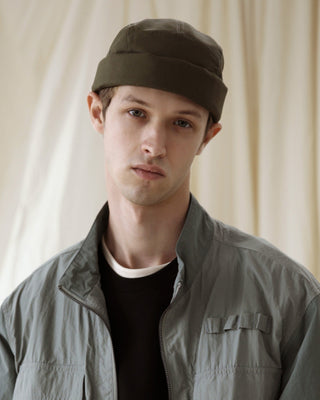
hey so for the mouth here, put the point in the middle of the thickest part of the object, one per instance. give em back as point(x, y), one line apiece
point(148, 172)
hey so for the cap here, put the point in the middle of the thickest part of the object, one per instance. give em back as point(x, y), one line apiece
point(169, 55)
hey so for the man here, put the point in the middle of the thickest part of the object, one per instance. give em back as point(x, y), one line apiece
point(160, 301)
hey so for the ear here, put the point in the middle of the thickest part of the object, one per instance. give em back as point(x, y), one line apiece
point(212, 132)
point(95, 111)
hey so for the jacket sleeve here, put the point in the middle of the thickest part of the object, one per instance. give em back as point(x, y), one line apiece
point(301, 358)
point(7, 363)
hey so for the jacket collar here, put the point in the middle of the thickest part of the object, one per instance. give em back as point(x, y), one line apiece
point(194, 242)
point(81, 279)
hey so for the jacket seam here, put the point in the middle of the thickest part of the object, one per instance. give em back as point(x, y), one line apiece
point(312, 285)
point(237, 369)
point(6, 303)
point(296, 326)
point(231, 244)
point(53, 365)
point(8, 327)
point(75, 249)
point(277, 260)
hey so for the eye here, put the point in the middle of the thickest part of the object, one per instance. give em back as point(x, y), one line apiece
point(181, 123)
point(137, 113)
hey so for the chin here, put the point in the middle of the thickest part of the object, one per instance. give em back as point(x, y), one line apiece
point(146, 199)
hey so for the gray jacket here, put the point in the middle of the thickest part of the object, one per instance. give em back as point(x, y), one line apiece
point(243, 323)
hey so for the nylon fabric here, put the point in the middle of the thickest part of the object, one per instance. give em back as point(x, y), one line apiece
point(270, 335)
point(261, 173)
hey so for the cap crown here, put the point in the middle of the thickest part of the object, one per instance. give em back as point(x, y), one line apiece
point(166, 54)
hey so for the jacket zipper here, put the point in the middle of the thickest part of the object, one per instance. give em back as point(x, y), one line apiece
point(115, 397)
point(179, 285)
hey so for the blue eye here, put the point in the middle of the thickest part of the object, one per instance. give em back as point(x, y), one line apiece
point(137, 113)
point(182, 123)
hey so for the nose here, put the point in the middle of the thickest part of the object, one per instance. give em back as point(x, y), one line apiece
point(154, 142)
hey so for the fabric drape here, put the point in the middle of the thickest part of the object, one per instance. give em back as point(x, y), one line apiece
point(261, 173)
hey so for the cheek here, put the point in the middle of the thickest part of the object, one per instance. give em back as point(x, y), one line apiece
point(111, 152)
point(185, 153)
point(112, 143)
point(118, 153)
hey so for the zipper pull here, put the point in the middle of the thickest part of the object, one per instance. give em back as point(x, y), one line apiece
point(178, 287)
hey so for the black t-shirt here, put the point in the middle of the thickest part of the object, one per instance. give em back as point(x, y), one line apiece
point(135, 306)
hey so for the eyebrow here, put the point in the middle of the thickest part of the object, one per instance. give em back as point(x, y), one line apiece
point(132, 99)
point(190, 112)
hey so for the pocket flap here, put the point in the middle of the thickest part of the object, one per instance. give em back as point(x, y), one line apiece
point(242, 321)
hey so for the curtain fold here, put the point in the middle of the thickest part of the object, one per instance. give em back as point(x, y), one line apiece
point(261, 173)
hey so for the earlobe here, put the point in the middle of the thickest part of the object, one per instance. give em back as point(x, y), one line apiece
point(212, 132)
point(95, 111)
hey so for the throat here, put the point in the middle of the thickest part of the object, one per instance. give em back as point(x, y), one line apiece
point(143, 240)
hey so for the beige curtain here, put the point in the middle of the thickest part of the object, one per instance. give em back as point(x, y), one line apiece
point(261, 173)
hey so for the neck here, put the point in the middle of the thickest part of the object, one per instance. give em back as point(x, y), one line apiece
point(143, 236)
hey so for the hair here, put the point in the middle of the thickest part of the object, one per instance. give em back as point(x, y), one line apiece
point(106, 95)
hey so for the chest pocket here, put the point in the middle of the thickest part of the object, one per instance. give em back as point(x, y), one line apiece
point(39, 381)
point(237, 359)
point(237, 340)
point(243, 321)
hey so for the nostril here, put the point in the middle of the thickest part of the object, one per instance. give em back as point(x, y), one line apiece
point(153, 149)
point(146, 148)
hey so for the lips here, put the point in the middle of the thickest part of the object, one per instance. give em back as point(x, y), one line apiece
point(150, 168)
point(148, 171)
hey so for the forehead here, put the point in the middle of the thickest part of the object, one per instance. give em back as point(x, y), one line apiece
point(154, 98)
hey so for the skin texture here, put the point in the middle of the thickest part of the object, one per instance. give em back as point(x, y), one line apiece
point(150, 140)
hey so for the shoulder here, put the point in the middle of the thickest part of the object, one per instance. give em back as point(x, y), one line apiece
point(259, 256)
point(233, 254)
point(264, 274)
point(42, 283)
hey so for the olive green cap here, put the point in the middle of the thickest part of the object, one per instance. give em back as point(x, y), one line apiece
point(169, 55)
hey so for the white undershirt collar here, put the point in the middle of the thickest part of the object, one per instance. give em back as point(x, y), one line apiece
point(128, 272)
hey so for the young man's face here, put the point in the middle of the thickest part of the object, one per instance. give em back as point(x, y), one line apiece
point(150, 140)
